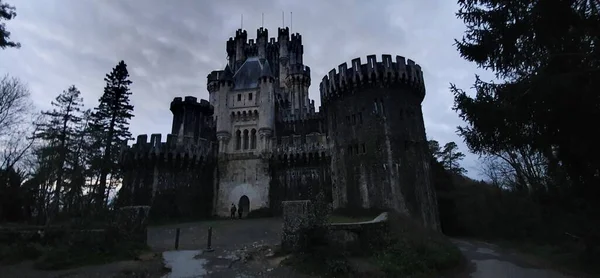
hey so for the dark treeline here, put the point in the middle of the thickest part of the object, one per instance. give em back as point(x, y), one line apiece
point(534, 129)
point(61, 163)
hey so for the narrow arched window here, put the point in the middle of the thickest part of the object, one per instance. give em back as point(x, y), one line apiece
point(245, 139)
point(238, 140)
point(253, 139)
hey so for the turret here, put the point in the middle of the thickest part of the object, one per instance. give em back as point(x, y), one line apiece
point(296, 49)
point(262, 36)
point(231, 52)
point(283, 39)
point(298, 82)
point(241, 36)
point(190, 116)
point(266, 118)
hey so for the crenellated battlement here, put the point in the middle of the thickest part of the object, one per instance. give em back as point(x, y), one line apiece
point(262, 33)
point(299, 69)
point(191, 101)
point(373, 73)
point(218, 79)
point(174, 146)
point(283, 33)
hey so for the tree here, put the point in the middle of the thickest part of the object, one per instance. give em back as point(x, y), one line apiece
point(60, 132)
point(15, 104)
point(448, 156)
point(7, 12)
point(110, 125)
point(550, 72)
point(545, 55)
point(451, 157)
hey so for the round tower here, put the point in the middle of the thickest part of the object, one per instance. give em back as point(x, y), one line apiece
point(266, 111)
point(262, 36)
point(219, 83)
point(379, 149)
point(297, 83)
point(283, 38)
point(241, 37)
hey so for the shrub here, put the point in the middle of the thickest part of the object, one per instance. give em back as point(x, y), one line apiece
point(416, 251)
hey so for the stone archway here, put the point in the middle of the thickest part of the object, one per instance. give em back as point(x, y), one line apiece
point(244, 204)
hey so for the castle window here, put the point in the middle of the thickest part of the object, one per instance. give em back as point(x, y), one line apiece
point(245, 139)
point(239, 97)
point(375, 110)
point(253, 139)
point(381, 106)
point(353, 119)
point(249, 96)
point(238, 140)
point(364, 149)
point(356, 149)
point(349, 150)
point(360, 117)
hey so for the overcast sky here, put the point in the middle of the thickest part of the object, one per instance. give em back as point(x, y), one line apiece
point(171, 46)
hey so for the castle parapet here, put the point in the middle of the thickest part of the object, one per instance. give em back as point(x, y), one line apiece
point(299, 69)
point(373, 73)
point(174, 146)
point(303, 144)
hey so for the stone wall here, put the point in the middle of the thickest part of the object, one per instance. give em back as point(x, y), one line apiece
point(359, 238)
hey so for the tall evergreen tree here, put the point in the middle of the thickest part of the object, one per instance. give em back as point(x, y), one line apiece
point(7, 12)
point(546, 55)
point(60, 132)
point(110, 125)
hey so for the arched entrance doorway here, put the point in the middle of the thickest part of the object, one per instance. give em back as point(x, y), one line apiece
point(244, 204)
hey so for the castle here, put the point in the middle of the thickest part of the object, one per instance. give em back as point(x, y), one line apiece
point(259, 141)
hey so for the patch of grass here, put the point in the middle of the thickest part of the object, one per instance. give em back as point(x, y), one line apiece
point(414, 251)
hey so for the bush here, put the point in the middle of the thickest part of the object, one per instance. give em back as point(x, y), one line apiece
point(416, 251)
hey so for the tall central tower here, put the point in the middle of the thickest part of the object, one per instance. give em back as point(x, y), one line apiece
point(264, 79)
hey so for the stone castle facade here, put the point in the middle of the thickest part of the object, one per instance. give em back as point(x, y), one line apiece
point(258, 140)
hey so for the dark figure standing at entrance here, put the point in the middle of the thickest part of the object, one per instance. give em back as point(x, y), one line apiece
point(240, 212)
point(233, 209)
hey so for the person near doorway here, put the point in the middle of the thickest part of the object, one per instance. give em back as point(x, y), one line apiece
point(233, 209)
point(240, 210)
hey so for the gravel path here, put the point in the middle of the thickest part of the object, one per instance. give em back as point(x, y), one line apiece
point(489, 261)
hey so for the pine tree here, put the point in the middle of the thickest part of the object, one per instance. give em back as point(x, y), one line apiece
point(7, 12)
point(110, 125)
point(59, 131)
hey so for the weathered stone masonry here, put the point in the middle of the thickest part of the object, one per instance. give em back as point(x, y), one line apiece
point(259, 141)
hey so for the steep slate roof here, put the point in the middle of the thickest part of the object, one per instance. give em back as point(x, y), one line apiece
point(246, 77)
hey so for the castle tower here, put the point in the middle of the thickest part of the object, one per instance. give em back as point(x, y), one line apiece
point(283, 38)
point(378, 143)
point(244, 100)
point(190, 117)
point(266, 95)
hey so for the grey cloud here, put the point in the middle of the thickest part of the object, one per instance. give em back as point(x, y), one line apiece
point(170, 47)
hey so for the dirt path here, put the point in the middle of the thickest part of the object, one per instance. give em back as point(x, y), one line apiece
point(489, 261)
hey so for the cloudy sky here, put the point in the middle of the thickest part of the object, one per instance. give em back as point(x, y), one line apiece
point(171, 46)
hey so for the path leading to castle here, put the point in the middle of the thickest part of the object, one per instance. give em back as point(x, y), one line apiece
point(490, 261)
point(242, 248)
